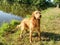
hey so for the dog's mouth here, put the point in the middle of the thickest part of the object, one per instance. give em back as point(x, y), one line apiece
point(38, 17)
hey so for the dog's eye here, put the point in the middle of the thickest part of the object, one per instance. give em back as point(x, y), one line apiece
point(37, 13)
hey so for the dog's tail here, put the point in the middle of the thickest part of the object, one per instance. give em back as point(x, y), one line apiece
point(17, 27)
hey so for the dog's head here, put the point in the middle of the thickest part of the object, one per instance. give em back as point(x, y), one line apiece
point(36, 14)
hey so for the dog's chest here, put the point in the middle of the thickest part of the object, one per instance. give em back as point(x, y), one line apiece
point(35, 23)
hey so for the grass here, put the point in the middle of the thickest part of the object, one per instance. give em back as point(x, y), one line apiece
point(50, 31)
point(50, 19)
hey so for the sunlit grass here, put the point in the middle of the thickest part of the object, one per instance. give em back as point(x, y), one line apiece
point(50, 30)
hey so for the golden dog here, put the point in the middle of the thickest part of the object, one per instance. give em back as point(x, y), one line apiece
point(31, 24)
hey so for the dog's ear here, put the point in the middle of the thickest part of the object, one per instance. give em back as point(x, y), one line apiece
point(32, 13)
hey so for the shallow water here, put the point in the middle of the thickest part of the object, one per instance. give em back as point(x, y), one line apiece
point(7, 17)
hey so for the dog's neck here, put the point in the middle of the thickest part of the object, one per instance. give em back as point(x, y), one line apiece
point(34, 17)
point(37, 20)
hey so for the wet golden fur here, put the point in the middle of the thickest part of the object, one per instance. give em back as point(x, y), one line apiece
point(31, 24)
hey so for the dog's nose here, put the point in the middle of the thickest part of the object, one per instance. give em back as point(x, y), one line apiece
point(40, 16)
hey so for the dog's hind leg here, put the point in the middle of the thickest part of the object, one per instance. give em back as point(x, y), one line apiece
point(21, 33)
point(22, 30)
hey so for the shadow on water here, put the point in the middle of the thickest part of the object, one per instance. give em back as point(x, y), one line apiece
point(50, 36)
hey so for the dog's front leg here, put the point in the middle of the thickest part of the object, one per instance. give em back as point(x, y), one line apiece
point(38, 31)
point(30, 35)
